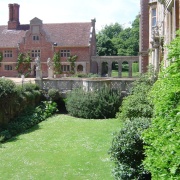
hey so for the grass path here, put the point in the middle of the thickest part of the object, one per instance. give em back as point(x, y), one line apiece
point(62, 148)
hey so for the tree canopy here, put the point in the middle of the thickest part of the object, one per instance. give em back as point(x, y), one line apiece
point(115, 40)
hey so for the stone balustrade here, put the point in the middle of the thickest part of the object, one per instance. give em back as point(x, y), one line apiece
point(88, 84)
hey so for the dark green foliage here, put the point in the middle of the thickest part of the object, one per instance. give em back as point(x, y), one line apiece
point(30, 87)
point(137, 104)
point(53, 94)
point(127, 151)
point(163, 137)
point(57, 63)
point(101, 103)
point(7, 89)
point(1, 57)
point(15, 98)
point(7, 98)
point(114, 40)
point(30, 117)
point(24, 64)
point(72, 60)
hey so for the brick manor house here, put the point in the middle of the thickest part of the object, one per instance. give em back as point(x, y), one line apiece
point(43, 40)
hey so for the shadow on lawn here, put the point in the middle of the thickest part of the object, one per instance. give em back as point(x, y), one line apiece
point(32, 129)
point(16, 137)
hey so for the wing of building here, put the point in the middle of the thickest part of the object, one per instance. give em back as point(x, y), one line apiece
point(160, 19)
point(43, 40)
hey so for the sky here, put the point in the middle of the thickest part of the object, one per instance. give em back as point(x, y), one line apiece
point(105, 12)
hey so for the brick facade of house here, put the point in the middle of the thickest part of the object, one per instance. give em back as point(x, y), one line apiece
point(44, 40)
point(144, 35)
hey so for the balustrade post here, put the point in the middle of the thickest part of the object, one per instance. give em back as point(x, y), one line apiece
point(119, 69)
point(109, 69)
point(99, 68)
point(130, 69)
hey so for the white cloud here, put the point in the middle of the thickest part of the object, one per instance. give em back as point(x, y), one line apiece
point(57, 11)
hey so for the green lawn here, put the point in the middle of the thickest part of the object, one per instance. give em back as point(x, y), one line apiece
point(124, 74)
point(62, 148)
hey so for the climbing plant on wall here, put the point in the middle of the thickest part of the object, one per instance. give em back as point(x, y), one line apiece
point(72, 60)
point(1, 57)
point(57, 63)
point(24, 64)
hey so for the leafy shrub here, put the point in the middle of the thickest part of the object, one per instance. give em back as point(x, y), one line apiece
point(102, 103)
point(163, 137)
point(15, 98)
point(29, 96)
point(127, 150)
point(30, 87)
point(53, 94)
point(30, 117)
point(7, 98)
point(7, 89)
point(137, 104)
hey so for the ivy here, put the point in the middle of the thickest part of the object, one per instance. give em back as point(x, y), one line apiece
point(57, 63)
point(72, 60)
point(24, 64)
point(163, 137)
point(1, 56)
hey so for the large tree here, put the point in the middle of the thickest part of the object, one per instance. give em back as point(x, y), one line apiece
point(115, 40)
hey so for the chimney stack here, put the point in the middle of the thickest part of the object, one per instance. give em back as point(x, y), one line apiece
point(13, 22)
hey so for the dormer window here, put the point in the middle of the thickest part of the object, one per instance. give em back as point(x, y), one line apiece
point(35, 38)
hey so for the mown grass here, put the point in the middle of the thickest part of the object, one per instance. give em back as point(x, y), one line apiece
point(124, 74)
point(62, 148)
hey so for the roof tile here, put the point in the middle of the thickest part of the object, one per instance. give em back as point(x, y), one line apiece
point(64, 34)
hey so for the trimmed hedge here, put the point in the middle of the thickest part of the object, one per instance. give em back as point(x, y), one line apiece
point(97, 104)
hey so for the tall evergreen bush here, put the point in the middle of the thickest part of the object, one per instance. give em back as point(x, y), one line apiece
point(127, 151)
point(101, 103)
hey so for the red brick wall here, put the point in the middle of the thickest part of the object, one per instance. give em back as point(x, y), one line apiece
point(177, 14)
point(144, 33)
point(9, 61)
point(81, 52)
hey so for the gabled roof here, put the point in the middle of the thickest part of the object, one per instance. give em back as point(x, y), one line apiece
point(68, 34)
point(64, 34)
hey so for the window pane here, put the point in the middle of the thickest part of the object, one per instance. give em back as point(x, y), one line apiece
point(153, 22)
point(153, 12)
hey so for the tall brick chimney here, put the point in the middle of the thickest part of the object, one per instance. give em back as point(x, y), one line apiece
point(13, 22)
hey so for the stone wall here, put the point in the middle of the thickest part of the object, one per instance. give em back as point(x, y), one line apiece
point(88, 84)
